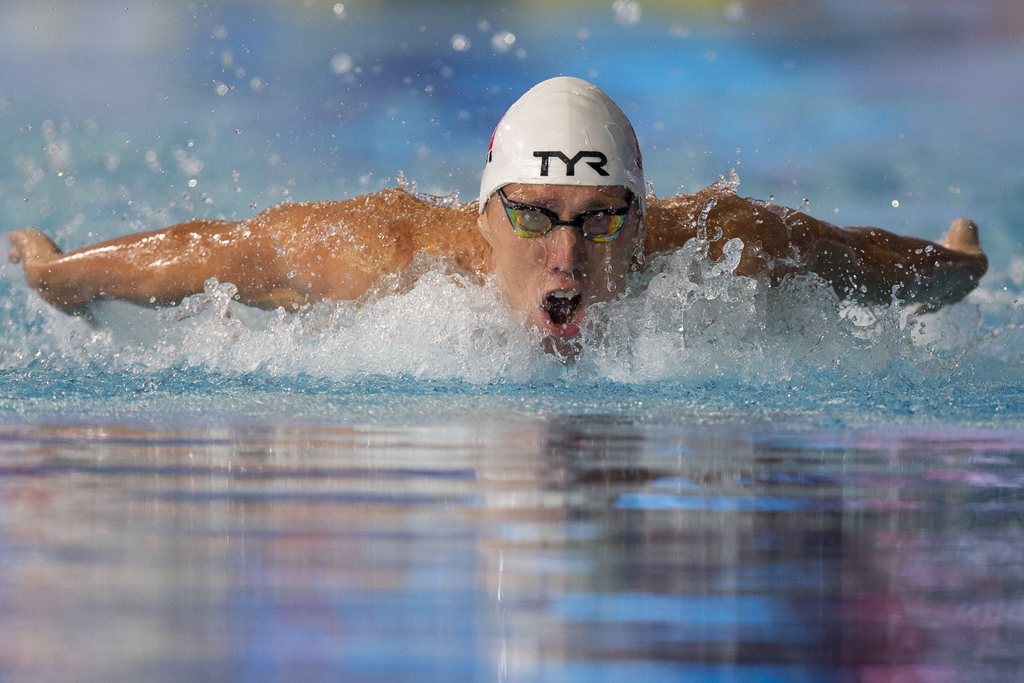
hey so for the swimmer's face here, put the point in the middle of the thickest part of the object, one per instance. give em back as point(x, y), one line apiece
point(555, 278)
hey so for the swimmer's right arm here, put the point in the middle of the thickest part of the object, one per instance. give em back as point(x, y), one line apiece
point(287, 256)
point(154, 268)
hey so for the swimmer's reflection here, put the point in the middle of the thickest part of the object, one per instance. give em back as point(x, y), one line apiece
point(522, 546)
point(696, 576)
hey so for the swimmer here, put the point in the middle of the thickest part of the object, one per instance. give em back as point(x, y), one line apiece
point(563, 217)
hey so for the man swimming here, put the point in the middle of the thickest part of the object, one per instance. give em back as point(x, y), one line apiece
point(563, 217)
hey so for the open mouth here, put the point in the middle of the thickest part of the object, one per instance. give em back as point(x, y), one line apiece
point(562, 305)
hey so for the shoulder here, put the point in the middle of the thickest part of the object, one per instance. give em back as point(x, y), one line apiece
point(387, 226)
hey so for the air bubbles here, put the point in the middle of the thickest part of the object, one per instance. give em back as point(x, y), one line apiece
point(627, 12)
point(221, 88)
point(339, 10)
point(461, 43)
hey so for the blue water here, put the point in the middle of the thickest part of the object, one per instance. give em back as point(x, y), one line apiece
point(731, 483)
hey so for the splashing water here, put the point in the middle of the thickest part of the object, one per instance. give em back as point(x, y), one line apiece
point(687, 329)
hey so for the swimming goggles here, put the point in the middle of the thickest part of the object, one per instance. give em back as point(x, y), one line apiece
point(536, 221)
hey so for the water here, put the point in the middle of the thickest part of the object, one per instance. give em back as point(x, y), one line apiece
point(731, 483)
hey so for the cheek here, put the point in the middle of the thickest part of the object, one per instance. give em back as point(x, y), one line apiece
point(607, 268)
point(518, 261)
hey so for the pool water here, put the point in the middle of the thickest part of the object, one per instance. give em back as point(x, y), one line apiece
point(730, 483)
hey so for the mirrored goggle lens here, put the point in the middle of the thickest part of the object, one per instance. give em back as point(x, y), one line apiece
point(600, 227)
point(529, 223)
point(603, 227)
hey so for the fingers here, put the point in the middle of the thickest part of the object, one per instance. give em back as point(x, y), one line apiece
point(30, 244)
point(962, 237)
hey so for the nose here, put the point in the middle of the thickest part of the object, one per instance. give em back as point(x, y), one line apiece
point(563, 248)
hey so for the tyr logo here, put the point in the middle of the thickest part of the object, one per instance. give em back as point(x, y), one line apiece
point(570, 164)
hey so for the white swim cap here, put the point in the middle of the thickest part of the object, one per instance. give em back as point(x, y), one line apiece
point(564, 131)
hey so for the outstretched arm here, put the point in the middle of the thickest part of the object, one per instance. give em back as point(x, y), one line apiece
point(874, 266)
point(152, 268)
point(867, 265)
point(289, 255)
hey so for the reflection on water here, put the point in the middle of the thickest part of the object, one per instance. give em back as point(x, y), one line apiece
point(560, 549)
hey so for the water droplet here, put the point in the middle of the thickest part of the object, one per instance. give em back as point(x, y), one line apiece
point(734, 11)
point(341, 63)
point(627, 12)
point(503, 41)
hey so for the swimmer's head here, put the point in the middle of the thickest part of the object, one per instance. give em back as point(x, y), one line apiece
point(564, 131)
point(561, 204)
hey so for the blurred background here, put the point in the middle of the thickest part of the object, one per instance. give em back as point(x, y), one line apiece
point(117, 116)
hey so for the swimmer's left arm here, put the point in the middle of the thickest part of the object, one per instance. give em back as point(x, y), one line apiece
point(874, 266)
point(722, 215)
point(866, 265)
